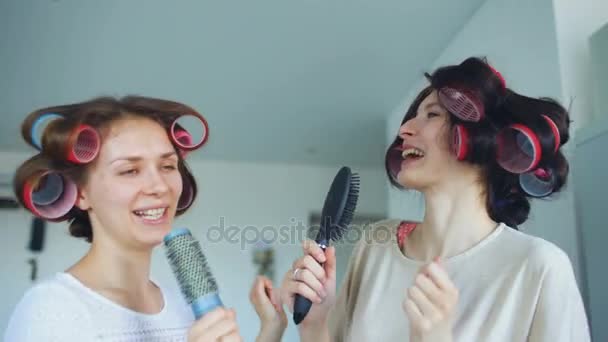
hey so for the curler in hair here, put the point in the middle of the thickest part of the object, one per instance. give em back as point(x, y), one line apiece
point(460, 142)
point(83, 145)
point(49, 195)
point(538, 183)
point(462, 103)
point(39, 126)
point(555, 131)
point(189, 131)
point(519, 149)
point(499, 75)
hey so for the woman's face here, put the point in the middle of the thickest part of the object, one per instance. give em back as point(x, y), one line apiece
point(427, 157)
point(133, 186)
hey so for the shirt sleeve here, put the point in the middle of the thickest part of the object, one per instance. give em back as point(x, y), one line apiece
point(560, 314)
point(48, 313)
point(340, 315)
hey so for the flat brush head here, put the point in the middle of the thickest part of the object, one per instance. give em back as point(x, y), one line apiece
point(189, 265)
point(339, 207)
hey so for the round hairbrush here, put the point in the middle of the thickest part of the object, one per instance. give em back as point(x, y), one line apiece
point(519, 149)
point(462, 103)
point(193, 274)
point(49, 195)
point(189, 131)
point(538, 183)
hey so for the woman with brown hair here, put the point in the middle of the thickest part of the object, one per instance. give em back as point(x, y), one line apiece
point(478, 152)
point(115, 170)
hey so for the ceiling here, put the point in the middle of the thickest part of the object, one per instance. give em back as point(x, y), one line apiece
point(309, 81)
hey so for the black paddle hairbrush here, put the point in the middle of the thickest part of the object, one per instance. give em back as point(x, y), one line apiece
point(336, 216)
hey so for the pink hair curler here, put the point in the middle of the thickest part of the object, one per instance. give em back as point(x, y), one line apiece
point(538, 183)
point(49, 195)
point(184, 138)
point(462, 103)
point(189, 131)
point(519, 149)
point(83, 145)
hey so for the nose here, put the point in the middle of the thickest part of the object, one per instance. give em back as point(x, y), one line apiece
point(407, 129)
point(155, 183)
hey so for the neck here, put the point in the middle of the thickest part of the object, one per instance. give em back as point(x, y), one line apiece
point(455, 220)
point(110, 266)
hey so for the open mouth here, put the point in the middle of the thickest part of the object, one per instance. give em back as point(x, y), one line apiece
point(154, 214)
point(412, 153)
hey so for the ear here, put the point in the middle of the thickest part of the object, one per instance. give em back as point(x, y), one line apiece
point(82, 201)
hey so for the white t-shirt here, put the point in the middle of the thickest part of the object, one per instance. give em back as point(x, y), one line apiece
point(63, 309)
point(513, 287)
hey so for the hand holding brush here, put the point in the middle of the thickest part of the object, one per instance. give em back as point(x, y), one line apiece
point(313, 277)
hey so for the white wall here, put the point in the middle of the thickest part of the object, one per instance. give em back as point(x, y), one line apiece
point(575, 22)
point(599, 69)
point(519, 39)
point(245, 194)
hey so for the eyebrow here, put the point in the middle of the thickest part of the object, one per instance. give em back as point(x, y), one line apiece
point(137, 158)
point(432, 104)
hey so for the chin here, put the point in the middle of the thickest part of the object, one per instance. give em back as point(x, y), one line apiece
point(152, 236)
point(151, 240)
point(413, 179)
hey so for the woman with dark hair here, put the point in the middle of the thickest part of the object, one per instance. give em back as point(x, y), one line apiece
point(115, 169)
point(478, 152)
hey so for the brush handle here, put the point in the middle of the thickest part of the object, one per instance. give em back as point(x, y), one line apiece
point(301, 304)
point(203, 305)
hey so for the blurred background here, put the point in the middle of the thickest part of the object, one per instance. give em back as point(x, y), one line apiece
point(293, 90)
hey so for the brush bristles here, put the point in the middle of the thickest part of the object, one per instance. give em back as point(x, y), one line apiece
point(349, 209)
point(190, 267)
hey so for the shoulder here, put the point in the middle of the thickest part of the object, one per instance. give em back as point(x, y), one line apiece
point(540, 255)
point(48, 308)
point(50, 294)
point(178, 310)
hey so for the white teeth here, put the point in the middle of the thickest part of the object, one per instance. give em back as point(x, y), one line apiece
point(412, 152)
point(151, 214)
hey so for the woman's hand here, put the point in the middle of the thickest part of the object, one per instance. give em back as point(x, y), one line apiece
point(313, 281)
point(218, 325)
point(430, 304)
point(268, 306)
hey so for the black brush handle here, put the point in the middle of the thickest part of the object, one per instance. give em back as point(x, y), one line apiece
point(301, 304)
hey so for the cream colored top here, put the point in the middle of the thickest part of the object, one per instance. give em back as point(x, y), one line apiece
point(512, 286)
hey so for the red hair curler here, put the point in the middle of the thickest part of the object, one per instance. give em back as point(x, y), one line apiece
point(49, 195)
point(460, 142)
point(83, 145)
point(519, 149)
